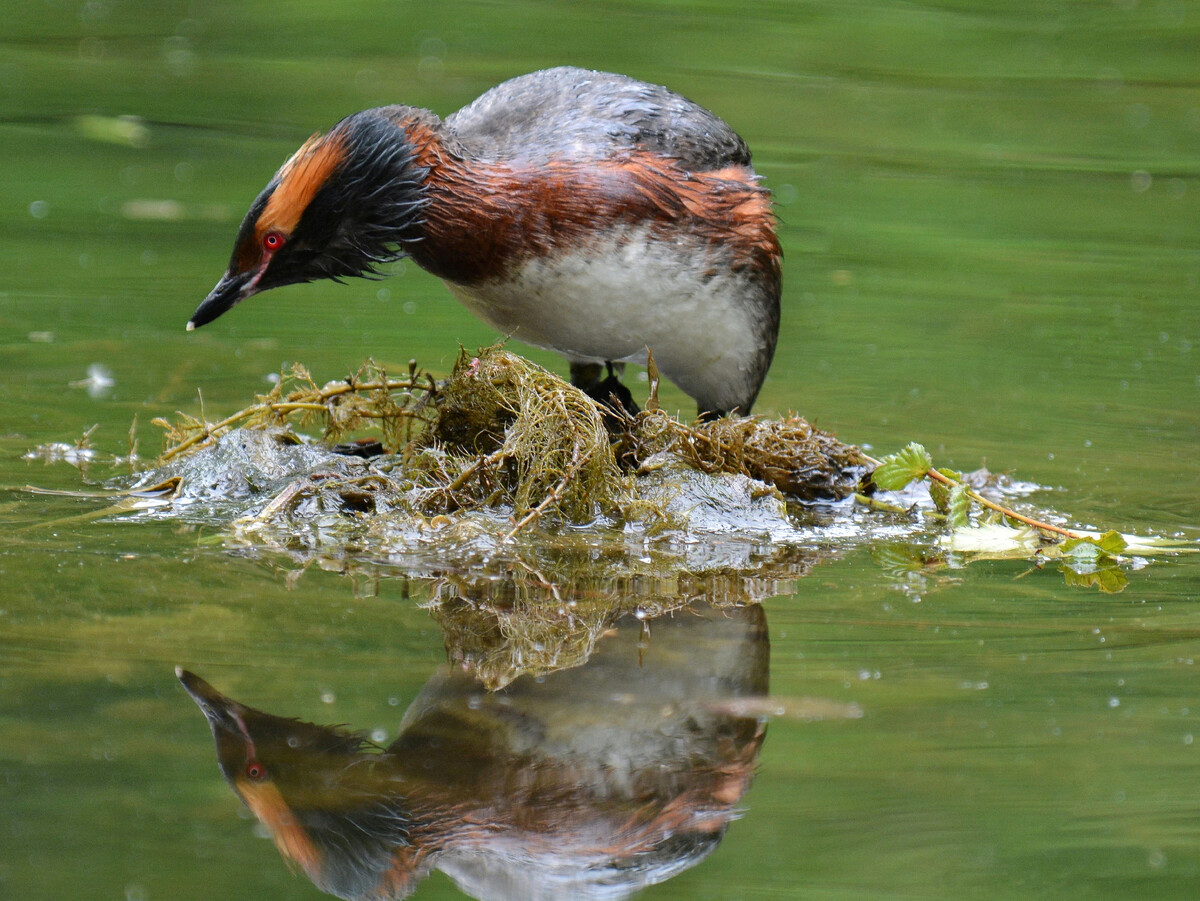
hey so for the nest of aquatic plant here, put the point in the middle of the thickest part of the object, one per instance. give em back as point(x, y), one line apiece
point(536, 623)
point(799, 459)
point(398, 408)
point(508, 430)
point(502, 432)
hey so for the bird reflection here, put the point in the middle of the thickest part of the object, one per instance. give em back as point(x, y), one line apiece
point(585, 783)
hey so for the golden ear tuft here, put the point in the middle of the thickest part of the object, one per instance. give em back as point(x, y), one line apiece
point(299, 180)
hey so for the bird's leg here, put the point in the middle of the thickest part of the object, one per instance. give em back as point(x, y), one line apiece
point(607, 391)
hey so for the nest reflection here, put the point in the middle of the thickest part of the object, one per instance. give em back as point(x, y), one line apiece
point(588, 782)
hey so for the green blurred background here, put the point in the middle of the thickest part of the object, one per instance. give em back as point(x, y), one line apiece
point(991, 221)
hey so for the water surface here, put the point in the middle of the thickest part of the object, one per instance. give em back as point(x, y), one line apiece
point(989, 218)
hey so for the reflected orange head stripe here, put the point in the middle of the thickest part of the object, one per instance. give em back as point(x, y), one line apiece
point(267, 804)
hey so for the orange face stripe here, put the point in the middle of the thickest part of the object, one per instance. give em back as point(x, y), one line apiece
point(299, 180)
point(268, 806)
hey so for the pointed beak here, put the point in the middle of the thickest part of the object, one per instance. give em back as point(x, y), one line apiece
point(232, 289)
point(219, 710)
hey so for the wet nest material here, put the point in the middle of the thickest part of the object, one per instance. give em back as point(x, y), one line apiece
point(501, 437)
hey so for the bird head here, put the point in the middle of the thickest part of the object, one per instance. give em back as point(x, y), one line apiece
point(326, 796)
point(344, 203)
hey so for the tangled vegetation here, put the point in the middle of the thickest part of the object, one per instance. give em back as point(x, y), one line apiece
point(502, 431)
point(457, 471)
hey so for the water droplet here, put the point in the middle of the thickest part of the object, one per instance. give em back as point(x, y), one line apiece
point(177, 53)
point(431, 68)
point(39, 209)
point(1114, 702)
point(328, 697)
point(1140, 181)
point(431, 46)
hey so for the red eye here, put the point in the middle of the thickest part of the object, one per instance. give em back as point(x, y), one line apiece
point(256, 771)
point(272, 240)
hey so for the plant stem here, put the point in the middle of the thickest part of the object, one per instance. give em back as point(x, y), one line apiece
point(991, 505)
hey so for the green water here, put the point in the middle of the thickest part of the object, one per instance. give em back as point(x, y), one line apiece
point(991, 222)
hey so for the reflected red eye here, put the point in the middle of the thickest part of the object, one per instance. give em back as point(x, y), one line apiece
point(273, 240)
point(256, 771)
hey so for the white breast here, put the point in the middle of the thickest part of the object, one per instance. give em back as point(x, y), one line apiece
point(615, 298)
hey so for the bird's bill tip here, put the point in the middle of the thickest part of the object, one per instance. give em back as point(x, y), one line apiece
point(202, 693)
point(224, 714)
point(232, 289)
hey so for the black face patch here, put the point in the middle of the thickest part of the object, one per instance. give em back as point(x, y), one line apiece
point(246, 250)
point(364, 214)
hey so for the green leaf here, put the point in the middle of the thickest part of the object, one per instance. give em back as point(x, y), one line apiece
point(1080, 549)
point(897, 470)
point(1109, 579)
point(960, 507)
point(1147, 544)
point(939, 492)
point(1110, 544)
point(901, 560)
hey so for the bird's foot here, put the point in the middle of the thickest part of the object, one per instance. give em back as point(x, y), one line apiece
point(603, 385)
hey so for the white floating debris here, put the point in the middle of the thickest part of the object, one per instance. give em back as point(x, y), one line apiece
point(99, 380)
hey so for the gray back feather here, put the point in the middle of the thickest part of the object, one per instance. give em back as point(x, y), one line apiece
point(578, 114)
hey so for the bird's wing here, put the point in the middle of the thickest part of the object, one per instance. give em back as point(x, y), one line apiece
point(580, 114)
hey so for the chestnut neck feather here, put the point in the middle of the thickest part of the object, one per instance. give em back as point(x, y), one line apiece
point(484, 218)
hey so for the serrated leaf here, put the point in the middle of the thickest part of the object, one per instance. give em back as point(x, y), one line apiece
point(1089, 547)
point(897, 470)
point(1109, 579)
point(1112, 543)
point(898, 559)
point(959, 507)
point(1148, 544)
point(1081, 549)
point(939, 493)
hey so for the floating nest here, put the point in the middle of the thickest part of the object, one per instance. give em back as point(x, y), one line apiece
point(505, 434)
point(501, 629)
point(504, 473)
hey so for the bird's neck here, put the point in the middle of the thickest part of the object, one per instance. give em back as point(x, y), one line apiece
point(473, 208)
